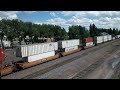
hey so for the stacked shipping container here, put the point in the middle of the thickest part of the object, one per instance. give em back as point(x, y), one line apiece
point(101, 39)
point(98, 39)
point(109, 37)
point(43, 50)
point(40, 56)
point(105, 38)
point(71, 48)
point(88, 41)
point(36, 51)
point(69, 45)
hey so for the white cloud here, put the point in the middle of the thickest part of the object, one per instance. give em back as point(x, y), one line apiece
point(79, 13)
point(76, 21)
point(8, 14)
point(102, 19)
point(53, 14)
point(12, 14)
point(91, 13)
point(56, 21)
point(107, 22)
point(69, 13)
point(38, 23)
point(29, 12)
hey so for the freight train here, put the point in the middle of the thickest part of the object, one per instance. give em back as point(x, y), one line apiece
point(34, 54)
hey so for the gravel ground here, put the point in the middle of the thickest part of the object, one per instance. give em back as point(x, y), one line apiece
point(105, 70)
point(116, 74)
point(67, 70)
point(73, 68)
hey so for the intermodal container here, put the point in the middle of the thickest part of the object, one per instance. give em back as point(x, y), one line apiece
point(109, 37)
point(89, 39)
point(105, 38)
point(68, 43)
point(71, 48)
point(34, 49)
point(98, 39)
point(89, 44)
point(40, 56)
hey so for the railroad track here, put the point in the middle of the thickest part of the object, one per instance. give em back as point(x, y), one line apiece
point(92, 67)
point(99, 62)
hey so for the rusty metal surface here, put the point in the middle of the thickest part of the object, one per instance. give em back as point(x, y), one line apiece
point(30, 64)
point(70, 52)
point(7, 70)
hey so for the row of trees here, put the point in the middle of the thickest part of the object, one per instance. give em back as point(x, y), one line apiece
point(81, 32)
point(94, 31)
point(78, 32)
point(16, 28)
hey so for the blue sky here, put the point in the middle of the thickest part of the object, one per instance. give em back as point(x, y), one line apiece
point(102, 19)
point(40, 16)
point(34, 17)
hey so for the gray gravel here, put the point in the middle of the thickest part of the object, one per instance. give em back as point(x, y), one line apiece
point(68, 70)
point(71, 69)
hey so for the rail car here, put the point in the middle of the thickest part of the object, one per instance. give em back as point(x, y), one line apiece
point(4, 70)
point(34, 54)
